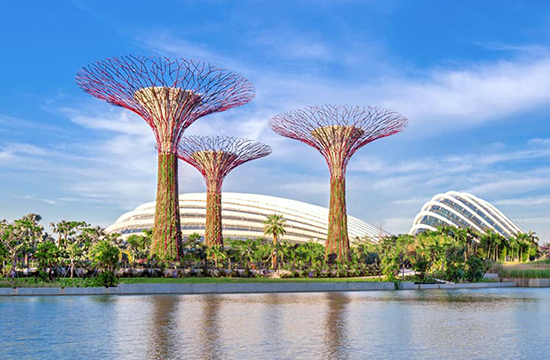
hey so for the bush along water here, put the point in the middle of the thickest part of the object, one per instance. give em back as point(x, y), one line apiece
point(79, 254)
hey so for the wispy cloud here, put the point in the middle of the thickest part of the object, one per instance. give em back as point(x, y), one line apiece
point(535, 149)
point(535, 49)
point(289, 45)
point(526, 201)
point(438, 101)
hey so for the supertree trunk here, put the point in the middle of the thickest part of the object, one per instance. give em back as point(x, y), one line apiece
point(215, 157)
point(166, 232)
point(213, 229)
point(337, 238)
point(274, 259)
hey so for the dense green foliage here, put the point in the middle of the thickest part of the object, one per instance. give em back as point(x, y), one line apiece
point(73, 244)
point(450, 253)
point(78, 250)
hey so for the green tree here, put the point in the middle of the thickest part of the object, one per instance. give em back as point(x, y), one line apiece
point(29, 233)
point(10, 245)
point(105, 254)
point(194, 250)
point(64, 229)
point(274, 225)
point(48, 254)
point(77, 238)
point(475, 269)
point(139, 245)
point(13, 241)
point(390, 257)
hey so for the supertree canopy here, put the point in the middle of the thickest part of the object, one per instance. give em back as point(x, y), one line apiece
point(169, 94)
point(337, 132)
point(215, 157)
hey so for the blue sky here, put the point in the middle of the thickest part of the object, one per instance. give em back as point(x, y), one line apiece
point(472, 77)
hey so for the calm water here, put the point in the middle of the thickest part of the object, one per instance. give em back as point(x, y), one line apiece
point(483, 324)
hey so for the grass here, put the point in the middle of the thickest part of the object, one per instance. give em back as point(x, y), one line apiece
point(231, 280)
point(539, 269)
point(525, 273)
point(36, 282)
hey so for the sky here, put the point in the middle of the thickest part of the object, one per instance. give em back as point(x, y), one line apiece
point(472, 77)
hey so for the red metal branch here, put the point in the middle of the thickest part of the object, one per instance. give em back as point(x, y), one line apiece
point(216, 156)
point(338, 131)
point(169, 94)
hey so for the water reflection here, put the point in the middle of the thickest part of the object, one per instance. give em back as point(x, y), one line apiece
point(275, 327)
point(210, 328)
point(162, 335)
point(485, 324)
point(336, 342)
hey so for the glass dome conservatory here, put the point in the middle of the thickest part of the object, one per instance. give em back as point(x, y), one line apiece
point(462, 210)
point(243, 216)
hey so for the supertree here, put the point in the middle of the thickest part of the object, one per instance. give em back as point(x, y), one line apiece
point(337, 132)
point(215, 157)
point(169, 94)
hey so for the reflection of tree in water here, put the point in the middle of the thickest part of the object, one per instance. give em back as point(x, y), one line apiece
point(105, 299)
point(210, 329)
point(336, 346)
point(162, 339)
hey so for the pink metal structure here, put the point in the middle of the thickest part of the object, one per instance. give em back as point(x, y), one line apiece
point(169, 94)
point(215, 157)
point(337, 132)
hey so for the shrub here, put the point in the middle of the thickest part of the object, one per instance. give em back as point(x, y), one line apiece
point(454, 264)
point(106, 278)
point(421, 266)
point(475, 269)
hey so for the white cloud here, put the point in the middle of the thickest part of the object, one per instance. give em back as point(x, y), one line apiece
point(5, 155)
point(120, 121)
point(461, 98)
point(535, 220)
point(509, 186)
point(436, 102)
point(415, 201)
point(288, 45)
point(397, 225)
point(525, 201)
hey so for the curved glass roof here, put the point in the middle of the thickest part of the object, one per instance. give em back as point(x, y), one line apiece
point(462, 210)
point(243, 216)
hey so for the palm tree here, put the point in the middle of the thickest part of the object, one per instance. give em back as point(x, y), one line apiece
point(275, 226)
point(533, 240)
point(513, 244)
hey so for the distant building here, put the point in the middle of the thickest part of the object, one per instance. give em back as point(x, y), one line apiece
point(243, 216)
point(462, 210)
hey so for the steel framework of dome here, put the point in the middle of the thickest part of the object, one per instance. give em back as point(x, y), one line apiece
point(462, 210)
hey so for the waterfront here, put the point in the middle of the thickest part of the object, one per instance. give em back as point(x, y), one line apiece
point(495, 323)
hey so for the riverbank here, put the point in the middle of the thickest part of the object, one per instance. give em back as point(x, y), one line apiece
point(242, 288)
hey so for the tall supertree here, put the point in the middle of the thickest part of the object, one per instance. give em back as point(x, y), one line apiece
point(215, 157)
point(337, 132)
point(169, 94)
